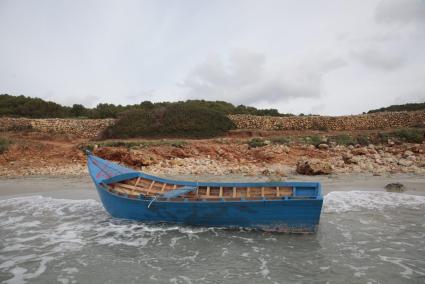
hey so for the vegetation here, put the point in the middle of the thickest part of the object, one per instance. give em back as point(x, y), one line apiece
point(4, 145)
point(404, 107)
point(21, 106)
point(409, 135)
point(134, 144)
point(280, 140)
point(256, 142)
point(30, 107)
point(363, 140)
point(312, 140)
point(343, 139)
point(174, 120)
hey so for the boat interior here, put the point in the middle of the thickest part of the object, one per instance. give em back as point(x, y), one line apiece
point(146, 188)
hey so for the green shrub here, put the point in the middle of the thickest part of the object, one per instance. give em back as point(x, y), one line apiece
point(343, 139)
point(4, 145)
point(256, 142)
point(409, 135)
point(312, 140)
point(174, 120)
point(383, 137)
point(363, 140)
point(280, 140)
point(134, 144)
point(404, 107)
point(21, 106)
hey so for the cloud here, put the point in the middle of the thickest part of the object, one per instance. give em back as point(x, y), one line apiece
point(400, 12)
point(247, 78)
point(416, 94)
point(379, 59)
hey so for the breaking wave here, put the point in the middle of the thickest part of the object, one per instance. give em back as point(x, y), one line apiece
point(346, 201)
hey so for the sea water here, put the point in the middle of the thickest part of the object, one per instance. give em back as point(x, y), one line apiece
point(363, 237)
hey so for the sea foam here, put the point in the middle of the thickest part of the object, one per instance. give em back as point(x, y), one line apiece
point(346, 201)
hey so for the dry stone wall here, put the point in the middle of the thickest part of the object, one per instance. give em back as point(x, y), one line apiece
point(84, 128)
point(382, 120)
point(91, 128)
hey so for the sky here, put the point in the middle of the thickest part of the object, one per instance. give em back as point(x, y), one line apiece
point(326, 57)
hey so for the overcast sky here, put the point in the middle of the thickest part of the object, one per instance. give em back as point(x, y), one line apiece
point(324, 57)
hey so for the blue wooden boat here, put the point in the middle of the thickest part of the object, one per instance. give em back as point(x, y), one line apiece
point(273, 206)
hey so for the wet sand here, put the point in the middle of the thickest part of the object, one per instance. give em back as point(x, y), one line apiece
point(83, 188)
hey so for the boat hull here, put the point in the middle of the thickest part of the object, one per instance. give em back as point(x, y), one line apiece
point(283, 215)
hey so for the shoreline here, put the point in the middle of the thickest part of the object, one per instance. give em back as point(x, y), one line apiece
point(73, 186)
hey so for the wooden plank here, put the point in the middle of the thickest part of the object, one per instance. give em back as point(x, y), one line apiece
point(277, 191)
point(163, 187)
point(248, 193)
point(127, 192)
point(208, 191)
point(129, 186)
point(137, 181)
point(262, 191)
point(153, 182)
point(234, 192)
point(221, 192)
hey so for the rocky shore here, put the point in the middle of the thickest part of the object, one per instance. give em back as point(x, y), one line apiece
point(37, 155)
point(280, 161)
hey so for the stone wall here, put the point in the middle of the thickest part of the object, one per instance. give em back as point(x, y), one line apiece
point(382, 120)
point(91, 128)
point(84, 128)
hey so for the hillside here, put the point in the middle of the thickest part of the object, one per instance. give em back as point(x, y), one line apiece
point(403, 107)
point(22, 106)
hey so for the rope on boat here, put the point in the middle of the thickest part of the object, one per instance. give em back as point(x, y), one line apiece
point(153, 199)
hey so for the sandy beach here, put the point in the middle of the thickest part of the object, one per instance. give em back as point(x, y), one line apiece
point(81, 187)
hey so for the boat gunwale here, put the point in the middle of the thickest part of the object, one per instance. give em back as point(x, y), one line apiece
point(213, 184)
point(207, 200)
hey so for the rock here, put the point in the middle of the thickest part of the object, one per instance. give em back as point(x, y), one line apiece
point(417, 148)
point(280, 172)
point(323, 146)
point(404, 162)
point(347, 158)
point(357, 159)
point(112, 153)
point(179, 153)
point(359, 151)
point(141, 158)
point(407, 154)
point(411, 158)
point(313, 167)
point(263, 154)
point(395, 187)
